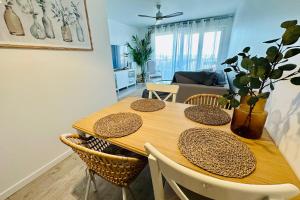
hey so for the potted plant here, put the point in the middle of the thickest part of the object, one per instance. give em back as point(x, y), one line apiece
point(141, 52)
point(256, 77)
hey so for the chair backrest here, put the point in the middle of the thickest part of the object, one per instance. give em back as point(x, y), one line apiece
point(171, 89)
point(208, 186)
point(206, 99)
point(116, 169)
point(151, 67)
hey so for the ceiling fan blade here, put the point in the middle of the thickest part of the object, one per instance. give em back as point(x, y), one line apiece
point(173, 15)
point(147, 16)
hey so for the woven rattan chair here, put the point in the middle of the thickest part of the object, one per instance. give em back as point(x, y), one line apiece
point(120, 169)
point(206, 99)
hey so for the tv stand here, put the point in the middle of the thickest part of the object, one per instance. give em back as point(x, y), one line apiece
point(125, 78)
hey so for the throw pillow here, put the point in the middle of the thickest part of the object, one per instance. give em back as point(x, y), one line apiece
point(208, 78)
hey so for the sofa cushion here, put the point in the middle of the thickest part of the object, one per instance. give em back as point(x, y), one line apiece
point(202, 77)
point(208, 78)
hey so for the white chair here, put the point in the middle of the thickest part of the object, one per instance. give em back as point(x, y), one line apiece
point(152, 72)
point(208, 186)
point(171, 89)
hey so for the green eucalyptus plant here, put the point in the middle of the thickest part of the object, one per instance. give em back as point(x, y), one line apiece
point(141, 51)
point(256, 76)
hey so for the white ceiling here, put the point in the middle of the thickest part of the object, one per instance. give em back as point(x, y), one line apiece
point(126, 11)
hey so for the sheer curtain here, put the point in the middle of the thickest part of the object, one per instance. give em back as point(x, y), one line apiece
point(191, 46)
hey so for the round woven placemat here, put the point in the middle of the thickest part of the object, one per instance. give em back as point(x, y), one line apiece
point(208, 115)
point(118, 125)
point(147, 105)
point(217, 152)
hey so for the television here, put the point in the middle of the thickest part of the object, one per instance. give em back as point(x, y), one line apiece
point(119, 56)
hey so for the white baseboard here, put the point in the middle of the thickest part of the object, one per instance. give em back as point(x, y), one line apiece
point(12, 189)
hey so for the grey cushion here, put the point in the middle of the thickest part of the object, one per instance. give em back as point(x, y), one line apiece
point(202, 77)
point(208, 78)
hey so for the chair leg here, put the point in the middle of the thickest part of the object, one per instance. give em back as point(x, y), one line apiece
point(124, 193)
point(156, 177)
point(93, 180)
point(88, 187)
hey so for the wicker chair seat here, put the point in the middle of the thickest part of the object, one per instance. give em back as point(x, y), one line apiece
point(114, 164)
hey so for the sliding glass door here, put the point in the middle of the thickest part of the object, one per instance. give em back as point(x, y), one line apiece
point(191, 46)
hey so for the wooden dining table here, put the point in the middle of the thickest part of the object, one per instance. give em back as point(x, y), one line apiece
point(162, 129)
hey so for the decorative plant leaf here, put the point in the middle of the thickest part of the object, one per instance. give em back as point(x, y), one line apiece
point(252, 100)
point(222, 101)
point(242, 54)
point(284, 61)
point(288, 24)
point(263, 62)
point(272, 86)
point(291, 35)
point(253, 71)
point(228, 96)
point(230, 60)
point(272, 52)
point(236, 83)
point(244, 80)
point(255, 83)
point(279, 57)
point(261, 71)
point(246, 50)
point(295, 80)
point(292, 52)
point(264, 95)
point(276, 74)
point(243, 91)
point(271, 41)
point(234, 103)
point(246, 63)
point(287, 67)
point(227, 70)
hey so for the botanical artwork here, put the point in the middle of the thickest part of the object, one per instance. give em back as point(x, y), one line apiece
point(57, 24)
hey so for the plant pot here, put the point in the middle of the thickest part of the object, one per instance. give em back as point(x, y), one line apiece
point(246, 124)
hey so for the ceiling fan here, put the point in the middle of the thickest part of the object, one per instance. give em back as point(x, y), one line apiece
point(159, 16)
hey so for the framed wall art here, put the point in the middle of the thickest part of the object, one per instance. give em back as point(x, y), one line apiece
point(45, 24)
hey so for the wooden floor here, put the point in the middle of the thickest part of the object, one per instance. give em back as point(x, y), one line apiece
point(67, 181)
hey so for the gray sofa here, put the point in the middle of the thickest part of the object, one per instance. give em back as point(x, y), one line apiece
point(192, 83)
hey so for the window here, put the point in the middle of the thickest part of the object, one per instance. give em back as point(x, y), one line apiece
point(164, 54)
point(192, 46)
point(210, 50)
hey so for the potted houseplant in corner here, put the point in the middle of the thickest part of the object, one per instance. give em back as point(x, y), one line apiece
point(141, 52)
point(256, 77)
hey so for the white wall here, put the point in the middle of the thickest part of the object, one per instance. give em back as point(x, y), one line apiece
point(121, 33)
point(42, 93)
point(257, 21)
